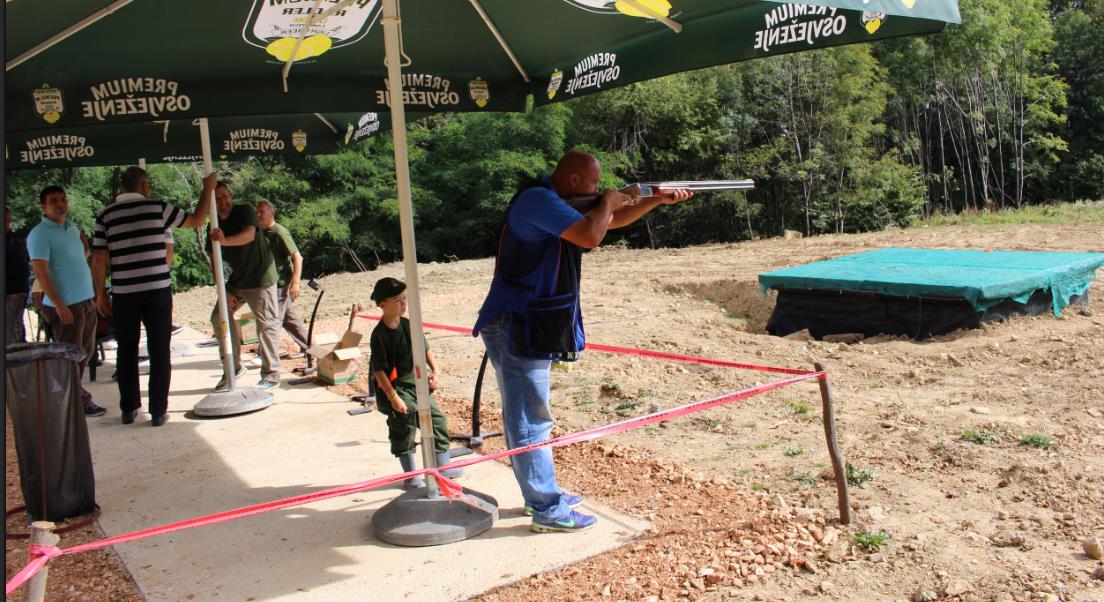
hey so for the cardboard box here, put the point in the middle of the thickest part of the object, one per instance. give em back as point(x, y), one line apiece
point(248, 324)
point(337, 362)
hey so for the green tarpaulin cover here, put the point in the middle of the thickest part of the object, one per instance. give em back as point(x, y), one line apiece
point(983, 278)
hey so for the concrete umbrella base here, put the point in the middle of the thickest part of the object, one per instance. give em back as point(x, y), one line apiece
point(414, 520)
point(230, 403)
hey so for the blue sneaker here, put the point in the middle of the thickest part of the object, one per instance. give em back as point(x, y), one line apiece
point(573, 501)
point(573, 523)
point(268, 385)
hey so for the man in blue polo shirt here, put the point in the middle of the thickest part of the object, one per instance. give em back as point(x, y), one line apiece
point(531, 314)
point(59, 255)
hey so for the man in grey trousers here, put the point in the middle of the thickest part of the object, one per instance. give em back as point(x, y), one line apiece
point(252, 281)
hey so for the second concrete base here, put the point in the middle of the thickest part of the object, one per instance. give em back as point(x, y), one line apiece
point(414, 520)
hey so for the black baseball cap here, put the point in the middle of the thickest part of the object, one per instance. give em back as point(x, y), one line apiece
point(386, 288)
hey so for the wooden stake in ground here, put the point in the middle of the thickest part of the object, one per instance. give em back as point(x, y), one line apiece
point(42, 533)
point(833, 443)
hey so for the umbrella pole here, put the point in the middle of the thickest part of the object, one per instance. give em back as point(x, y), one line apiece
point(216, 254)
point(406, 221)
point(418, 518)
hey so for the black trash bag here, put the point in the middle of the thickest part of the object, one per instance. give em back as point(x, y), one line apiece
point(43, 397)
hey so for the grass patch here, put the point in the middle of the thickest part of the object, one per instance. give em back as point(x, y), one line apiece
point(626, 408)
point(871, 542)
point(758, 486)
point(1080, 213)
point(876, 384)
point(1037, 441)
point(800, 409)
point(860, 477)
point(762, 446)
point(793, 452)
point(980, 437)
point(804, 478)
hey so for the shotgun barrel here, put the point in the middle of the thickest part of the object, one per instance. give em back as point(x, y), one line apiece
point(648, 188)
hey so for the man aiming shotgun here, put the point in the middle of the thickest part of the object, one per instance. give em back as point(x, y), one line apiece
point(531, 315)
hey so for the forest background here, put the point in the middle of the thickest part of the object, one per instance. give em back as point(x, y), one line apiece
point(1003, 111)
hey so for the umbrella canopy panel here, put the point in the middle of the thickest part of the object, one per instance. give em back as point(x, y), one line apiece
point(232, 138)
point(148, 60)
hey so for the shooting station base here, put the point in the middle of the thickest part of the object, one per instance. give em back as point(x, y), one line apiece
point(232, 403)
point(414, 520)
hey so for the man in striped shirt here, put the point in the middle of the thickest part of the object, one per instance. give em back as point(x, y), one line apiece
point(130, 241)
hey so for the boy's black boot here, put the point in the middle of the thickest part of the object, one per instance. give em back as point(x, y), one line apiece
point(407, 462)
point(442, 460)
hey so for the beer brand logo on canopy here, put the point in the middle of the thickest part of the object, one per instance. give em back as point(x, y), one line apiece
point(56, 147)
point(788, 24)
point(367, 125)
point(48, 103)
point(299, 140)
point(275, 25)
point(421, 89)
point(480, 94)
point(253, 140)
point(619, 7)
point(554, 83)
point(873, 21)
point(593, 71)
point(150, 96)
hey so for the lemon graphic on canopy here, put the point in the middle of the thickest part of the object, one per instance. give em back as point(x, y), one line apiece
point(873, 21)
point(51, 117)
point(312, 46)
point(909, 3)
point(659, 7)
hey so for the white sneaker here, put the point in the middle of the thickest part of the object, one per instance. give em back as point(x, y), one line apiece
point(112, 344)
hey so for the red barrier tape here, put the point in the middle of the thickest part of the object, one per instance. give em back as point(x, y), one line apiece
point(661, 355)
point(40, 555)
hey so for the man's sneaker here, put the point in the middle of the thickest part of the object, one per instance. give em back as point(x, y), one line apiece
point(223, 385)
point(267, 385)
point(573, 523)
point(574, 501)
point(111, 344)
point(176, 329)
point(91, 409)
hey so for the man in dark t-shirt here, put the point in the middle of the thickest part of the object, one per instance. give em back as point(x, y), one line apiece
point(289, 267)
point(252, 281)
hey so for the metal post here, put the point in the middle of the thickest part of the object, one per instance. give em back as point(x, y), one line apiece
point(42, 533)
point(216, 255)
point(391, 24)
point(833, 444)
point(142, 163)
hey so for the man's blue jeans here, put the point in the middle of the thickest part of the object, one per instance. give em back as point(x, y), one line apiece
point(527, 419)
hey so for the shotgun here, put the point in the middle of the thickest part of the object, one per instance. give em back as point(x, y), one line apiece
point(641, 190)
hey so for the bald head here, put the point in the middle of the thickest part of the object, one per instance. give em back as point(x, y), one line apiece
point(576, 174)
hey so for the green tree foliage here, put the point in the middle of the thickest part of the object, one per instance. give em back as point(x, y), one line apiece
point(1079, 54)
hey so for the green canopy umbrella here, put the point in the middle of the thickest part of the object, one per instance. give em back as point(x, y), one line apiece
point(91, 62)
point(232, 138)
point(88, 62)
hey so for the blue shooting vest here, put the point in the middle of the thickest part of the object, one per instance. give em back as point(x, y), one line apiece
point(535, 289)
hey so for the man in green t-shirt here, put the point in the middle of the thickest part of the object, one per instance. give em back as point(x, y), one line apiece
point(252, 281)
point(289, 269)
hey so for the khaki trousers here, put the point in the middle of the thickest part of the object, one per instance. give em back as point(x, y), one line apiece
point(265, 306)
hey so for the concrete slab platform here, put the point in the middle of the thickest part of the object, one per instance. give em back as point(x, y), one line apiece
point(305, 442)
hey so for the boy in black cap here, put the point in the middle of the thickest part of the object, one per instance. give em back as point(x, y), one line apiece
point(392, 365)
